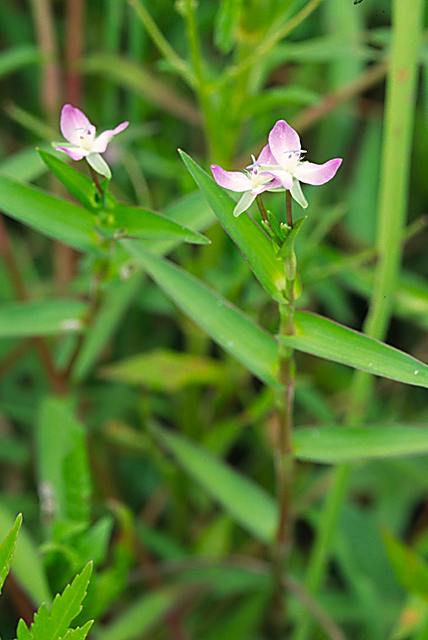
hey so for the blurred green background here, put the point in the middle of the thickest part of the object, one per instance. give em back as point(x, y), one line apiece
point(171, 560)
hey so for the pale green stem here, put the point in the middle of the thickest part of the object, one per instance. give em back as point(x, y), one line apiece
point(393, 198)
point(205, 102)
point(162, 43)
point(268, 43)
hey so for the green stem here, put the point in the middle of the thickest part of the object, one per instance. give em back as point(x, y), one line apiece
point(268, 43)
point(162, 43)
point(284, 451)
point(201, 86)
point(399, 118)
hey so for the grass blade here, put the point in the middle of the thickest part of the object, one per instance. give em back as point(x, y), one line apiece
point(253, 243)
point(327, 339)
point(226, 324)
point(335, 445)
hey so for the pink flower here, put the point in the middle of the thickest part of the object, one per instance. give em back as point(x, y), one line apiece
point(82, 141)
point(288, 167)
point(251, 183)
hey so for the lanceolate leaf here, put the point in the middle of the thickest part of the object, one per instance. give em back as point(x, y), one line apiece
point(410, 568)
point(352, 444)
point(52, 216)
point(165, 370)
point(20, 319)
point(251, 240)
point(327, 339)
point(138, 620)
point(114, 304)
point(227, 325)
point(247, 503)
point(79, 186)
point(17, 57)
point(7, 548)
point(142, 223)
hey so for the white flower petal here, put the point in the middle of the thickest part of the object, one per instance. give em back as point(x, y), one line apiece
point(297, 194)
point(244, 203)
point(99, 165)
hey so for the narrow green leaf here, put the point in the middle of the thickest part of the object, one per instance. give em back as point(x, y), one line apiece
point(165, 370)
point(227, 20)
point(53, 623)
point(17, 57)
point(191, 211)
point(226, 324)
point(7, 548)
point(63, 468)
point(24, 165)
point(251, 240)
point(411, 570)
point(26, 564)
point(327, 339)
point(116, 300)
point(52, 216)
point(352, 444)
point(140, 617)
point(21, 319)
point(247, 503)
point(142, 223)
point(78, 185)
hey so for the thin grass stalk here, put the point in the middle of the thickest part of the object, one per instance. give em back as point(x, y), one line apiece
point(392, 208)
point(157, 37)
point(268, 43)
point(112, 29)
point(201, 86)
point(136, 48)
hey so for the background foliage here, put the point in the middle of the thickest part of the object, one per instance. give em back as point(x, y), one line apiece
point(130, 438)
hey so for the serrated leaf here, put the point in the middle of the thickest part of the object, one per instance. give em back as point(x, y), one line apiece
point(27, 565)
point(53, 623)
point(251, 240)
point(327, 339)
point(7, 548)
point(41, 318)
point(79, 633)
point(63, 468)
point(247, 503)
point(336, 445)
point(226, 324)
point(58, 219)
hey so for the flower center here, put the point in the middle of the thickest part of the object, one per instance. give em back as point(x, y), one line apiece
point(259, 178)
point(290, 161)
point(85, 138)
